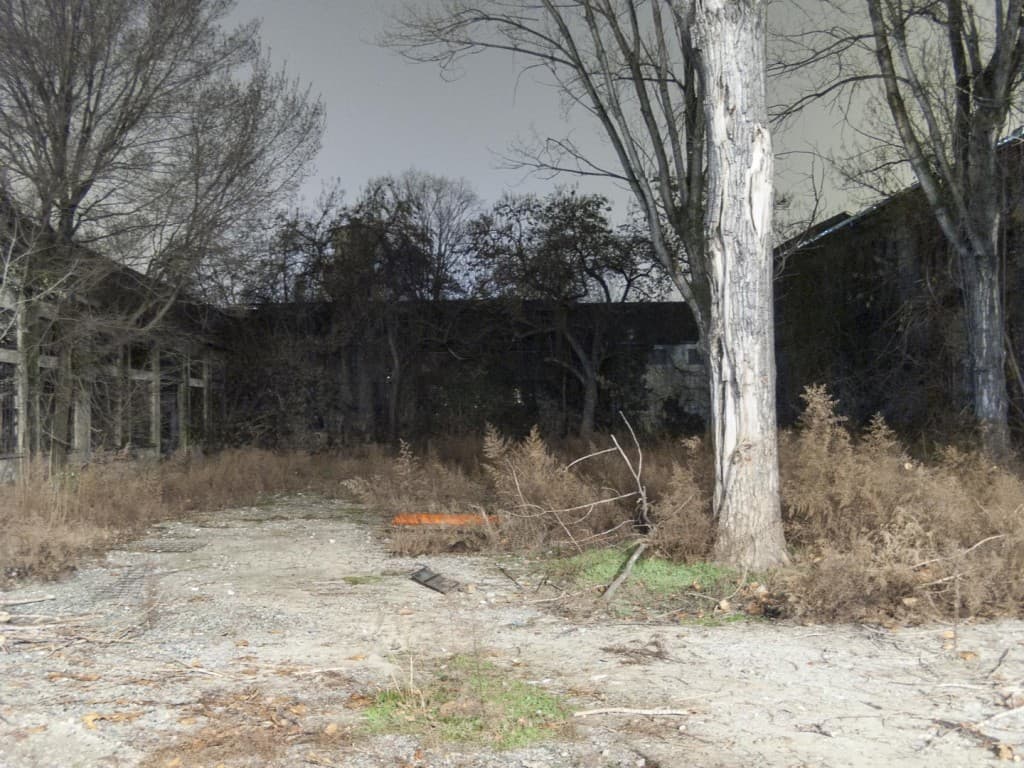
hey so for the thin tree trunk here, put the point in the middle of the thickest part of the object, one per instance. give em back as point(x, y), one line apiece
point(395, 385)
point(28, 382)
point(589, 405)
point(731, 39)
point(60, 434)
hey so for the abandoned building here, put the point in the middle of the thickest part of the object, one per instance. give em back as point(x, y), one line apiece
point(137, 369)
point(869, 305)
point(305, 374)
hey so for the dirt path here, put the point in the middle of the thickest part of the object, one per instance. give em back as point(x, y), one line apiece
point(251, 637)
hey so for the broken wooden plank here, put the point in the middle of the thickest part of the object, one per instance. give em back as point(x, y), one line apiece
point(434, 581)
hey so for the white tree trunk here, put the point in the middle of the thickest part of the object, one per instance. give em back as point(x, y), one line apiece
point(985, 329)
point(731, 37)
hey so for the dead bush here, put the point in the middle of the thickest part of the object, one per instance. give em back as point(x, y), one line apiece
point(541, 501)
point(48, 522)
point(684, 528)
point(406, 484)
point(877, 534)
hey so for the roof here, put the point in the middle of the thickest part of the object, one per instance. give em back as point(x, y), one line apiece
point(841, 221)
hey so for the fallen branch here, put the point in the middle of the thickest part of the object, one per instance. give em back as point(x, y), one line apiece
point(27, 600)
point(955, 555)
point(320, 671)
point(631, 711)
point(624, 573)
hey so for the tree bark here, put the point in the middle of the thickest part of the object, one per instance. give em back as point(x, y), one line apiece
point(730, 35)
point(982, 282)
point(28, 382)
point(985, 322)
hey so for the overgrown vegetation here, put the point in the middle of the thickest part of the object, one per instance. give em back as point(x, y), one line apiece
point(879, 534)
point(469, 699)
point(47, 523)
point(696, 590)
point(876, 535)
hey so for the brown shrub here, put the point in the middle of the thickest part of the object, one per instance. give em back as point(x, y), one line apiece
point(49, 522)
point(684, 528)
point(406, 484)
point(541, 501)
point(877, 534)
point(874, 534)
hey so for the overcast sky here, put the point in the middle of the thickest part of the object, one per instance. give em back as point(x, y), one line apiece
point(385, 115)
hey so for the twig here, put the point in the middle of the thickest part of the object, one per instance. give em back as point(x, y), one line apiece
point(564, 596)
point(608, 532)
point(320, 671)
point(541, 511)
point(510, 577)
point(572, 464)
point(999, 663)
point(955, 555)
point(624, 573)
point(637, 473)
point(27, 600)
point(999, 716)
point(631, 711)
point(198, 670)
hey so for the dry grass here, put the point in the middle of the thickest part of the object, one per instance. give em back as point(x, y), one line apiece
point(224, 725)
point(48, 523)
point(542, 501)
point(874, 534)
point(878, 535)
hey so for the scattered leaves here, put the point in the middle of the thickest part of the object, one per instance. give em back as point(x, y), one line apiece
point(92, 718)
point(82, 678)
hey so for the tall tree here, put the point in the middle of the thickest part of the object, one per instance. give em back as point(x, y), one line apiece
point(562, 250)
point(663, 79)
point(947, 74)
point(143, 129)
point(442, 209)
point(403, 243)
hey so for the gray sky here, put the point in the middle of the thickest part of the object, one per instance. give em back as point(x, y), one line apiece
point(385, 115)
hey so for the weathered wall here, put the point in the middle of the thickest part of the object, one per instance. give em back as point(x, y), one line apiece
point(308, 374)
point(872, 309)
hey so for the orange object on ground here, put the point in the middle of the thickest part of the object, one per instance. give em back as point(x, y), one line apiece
point(425, 518)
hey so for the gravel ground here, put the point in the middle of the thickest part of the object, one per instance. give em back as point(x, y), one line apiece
point(252, 637)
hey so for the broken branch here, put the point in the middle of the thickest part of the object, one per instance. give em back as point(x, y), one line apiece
point(631, 711)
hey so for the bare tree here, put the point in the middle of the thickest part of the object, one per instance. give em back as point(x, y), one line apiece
point(562, 251)
point(948, 73)
point(145, 130)
point(652, 73)
point(442, 209)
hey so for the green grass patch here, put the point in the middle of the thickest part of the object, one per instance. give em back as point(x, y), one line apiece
point(659, 576)
point(468, 699)
point(358, 579)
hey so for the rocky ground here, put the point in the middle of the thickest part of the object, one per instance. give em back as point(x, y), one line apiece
point(255, 636)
